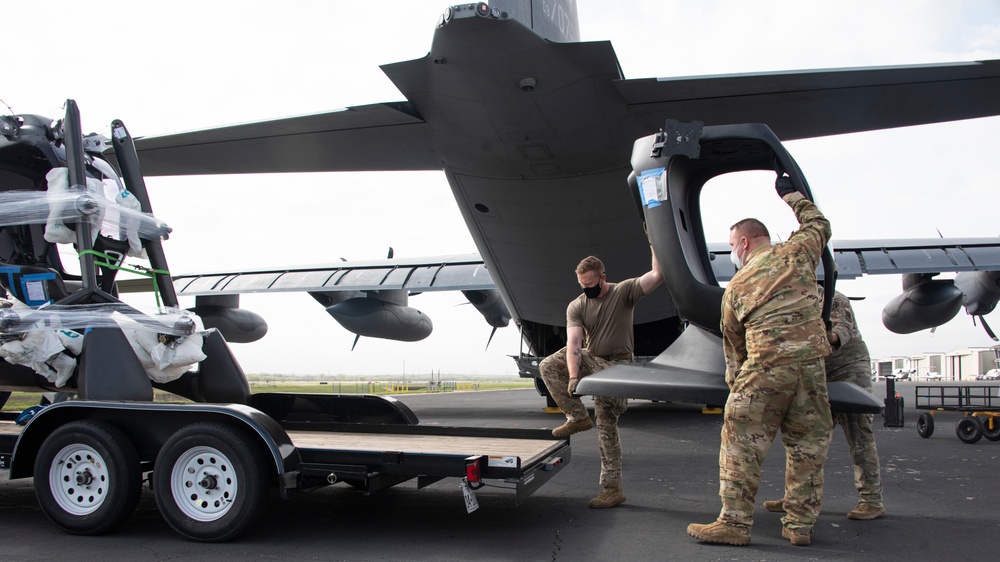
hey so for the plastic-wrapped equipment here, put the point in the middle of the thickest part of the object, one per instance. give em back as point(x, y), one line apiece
point(167, 341)
point(61, 205)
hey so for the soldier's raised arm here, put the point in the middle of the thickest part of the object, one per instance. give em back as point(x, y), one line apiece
point(814, 229)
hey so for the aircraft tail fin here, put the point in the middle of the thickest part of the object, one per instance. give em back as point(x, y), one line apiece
point(555, 20)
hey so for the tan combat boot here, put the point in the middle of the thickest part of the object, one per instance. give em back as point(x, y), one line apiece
point(609, 497)
point(571, 427)
point(866, 512)
point(777, 506)
point(798, 537)
point(719, 532)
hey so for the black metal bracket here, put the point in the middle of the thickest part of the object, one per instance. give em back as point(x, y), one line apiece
point(9, 125)
point(678, 138)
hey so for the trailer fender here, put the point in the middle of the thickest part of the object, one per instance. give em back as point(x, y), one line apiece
point(149, 425)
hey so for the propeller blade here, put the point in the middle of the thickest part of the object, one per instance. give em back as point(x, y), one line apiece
point(356, 338)
point(491, 337)
point(989, 332)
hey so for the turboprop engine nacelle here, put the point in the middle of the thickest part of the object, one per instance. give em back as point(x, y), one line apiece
point(981, 291)
point(377, 318)
point(925, 303)
point(223, 313)
point(489, 303)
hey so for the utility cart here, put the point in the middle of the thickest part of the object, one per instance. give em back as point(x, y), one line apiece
point(979, 405)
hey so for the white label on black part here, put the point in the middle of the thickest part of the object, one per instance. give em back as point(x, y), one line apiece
point(471, 504)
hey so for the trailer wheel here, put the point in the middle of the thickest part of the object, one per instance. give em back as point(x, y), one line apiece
point(970, 429)
point(87, 477)
point(211, 482)
point(925, 425)
point(991, 434)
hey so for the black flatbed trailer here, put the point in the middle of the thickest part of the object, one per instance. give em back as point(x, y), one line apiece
point(212, 462)
point(212, 465)
point(979, 405)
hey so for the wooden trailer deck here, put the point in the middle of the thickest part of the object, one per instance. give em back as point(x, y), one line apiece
point(528, 450)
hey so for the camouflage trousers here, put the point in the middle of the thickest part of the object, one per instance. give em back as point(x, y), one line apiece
point(791, 398)
point(859, 435)
point(607, 410)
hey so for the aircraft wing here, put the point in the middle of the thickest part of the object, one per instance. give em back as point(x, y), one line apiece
point(468, 272)
point(439, 273)
point(878, 257)
point(801, 104)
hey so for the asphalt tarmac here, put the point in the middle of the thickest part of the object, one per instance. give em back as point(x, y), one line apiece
point(939, 492)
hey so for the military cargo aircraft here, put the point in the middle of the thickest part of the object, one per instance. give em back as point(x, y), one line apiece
point(528, 152)
point(533, 130)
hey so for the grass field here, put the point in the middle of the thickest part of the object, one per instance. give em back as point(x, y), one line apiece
point(21, 400)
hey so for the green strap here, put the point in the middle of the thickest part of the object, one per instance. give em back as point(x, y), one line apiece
point(137, 269)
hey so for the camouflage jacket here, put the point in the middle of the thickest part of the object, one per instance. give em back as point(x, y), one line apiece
point(851, 354)
point(771, 312)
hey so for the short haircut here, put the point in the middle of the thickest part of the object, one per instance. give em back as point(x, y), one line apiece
point(590, 263)
point(751, 228)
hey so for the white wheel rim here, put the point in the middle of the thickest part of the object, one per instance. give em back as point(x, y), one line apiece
point(203, 484)
point(79, 479)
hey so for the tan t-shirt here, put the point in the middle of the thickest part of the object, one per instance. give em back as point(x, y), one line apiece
point(607, 320)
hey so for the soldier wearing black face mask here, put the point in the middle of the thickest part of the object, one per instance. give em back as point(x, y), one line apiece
point(599, 334)
point(592, 292)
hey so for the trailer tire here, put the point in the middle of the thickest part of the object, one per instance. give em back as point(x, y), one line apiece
point(991, 434)
point(925, 425)
point(87, 477)
point(969, 429)
point(211, 482)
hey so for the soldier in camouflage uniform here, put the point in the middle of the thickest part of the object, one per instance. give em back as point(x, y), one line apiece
point(774, 341)
point(599, 334)
point(850, 362)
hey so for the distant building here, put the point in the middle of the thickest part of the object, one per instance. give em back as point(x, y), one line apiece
point(967, 364)
point(886, 366)
point(963, 364)
point(928, 366)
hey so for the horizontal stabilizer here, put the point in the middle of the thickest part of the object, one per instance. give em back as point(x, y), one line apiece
point(674, 384)
point(350, 139)
point(691, 371)
point(799, 103)
point(657, 382)
point(849, 398)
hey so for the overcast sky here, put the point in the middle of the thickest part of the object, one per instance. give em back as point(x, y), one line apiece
point(165, 67)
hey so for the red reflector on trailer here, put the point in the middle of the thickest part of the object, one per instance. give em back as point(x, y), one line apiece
point(472, 471)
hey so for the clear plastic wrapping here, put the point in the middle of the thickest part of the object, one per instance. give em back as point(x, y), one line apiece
point(121, 218)
point(168, 321)
point(48, 339)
